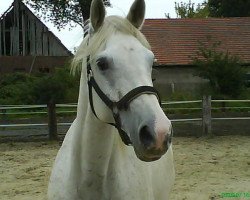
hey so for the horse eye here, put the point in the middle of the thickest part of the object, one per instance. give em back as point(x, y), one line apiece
point(102, 64)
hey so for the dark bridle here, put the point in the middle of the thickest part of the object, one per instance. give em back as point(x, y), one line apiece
point(116, 106)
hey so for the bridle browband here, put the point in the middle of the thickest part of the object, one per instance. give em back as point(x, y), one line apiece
point(116, 106)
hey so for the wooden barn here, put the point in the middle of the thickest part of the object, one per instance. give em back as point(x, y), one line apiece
point(176, 41)
point(26, 44)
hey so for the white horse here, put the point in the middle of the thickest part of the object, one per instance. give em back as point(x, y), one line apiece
point(94, 163)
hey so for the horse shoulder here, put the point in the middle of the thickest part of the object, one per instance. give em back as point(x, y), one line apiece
point(61, 185)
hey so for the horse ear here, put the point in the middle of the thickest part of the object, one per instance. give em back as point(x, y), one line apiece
point(137, 13)
point(97, 14)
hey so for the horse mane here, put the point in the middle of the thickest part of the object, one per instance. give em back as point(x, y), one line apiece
point(92, 43)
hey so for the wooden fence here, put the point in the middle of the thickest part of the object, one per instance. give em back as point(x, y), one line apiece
point(52, 110)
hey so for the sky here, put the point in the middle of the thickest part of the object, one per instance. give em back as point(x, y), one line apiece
point(71, 39)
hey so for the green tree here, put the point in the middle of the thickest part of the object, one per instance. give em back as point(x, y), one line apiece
point(224, 72)
point(59, 87)
point(16, 88)
point(202, 10)
point(229, 8)
point(188, 10)
point(63, 12)
point(185, 10)
point(22, 88)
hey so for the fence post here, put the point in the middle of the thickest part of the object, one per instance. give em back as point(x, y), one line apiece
point(206, 116)
point(52, 122)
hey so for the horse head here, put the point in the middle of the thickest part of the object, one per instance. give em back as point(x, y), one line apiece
point(120, 60)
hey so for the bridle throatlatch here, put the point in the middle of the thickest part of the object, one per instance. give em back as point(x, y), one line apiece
point(114, 106)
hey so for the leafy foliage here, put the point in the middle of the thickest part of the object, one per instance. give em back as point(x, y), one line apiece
point(20, 88)
point(188, 10)
point(213, 8)
point(224, 71)
point(56, 87)
point(202, 10)
point(229, 8)
point(62, 13)
point(185, 10)
point(16, 88)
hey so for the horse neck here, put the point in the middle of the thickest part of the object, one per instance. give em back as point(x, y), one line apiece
point(96, 139)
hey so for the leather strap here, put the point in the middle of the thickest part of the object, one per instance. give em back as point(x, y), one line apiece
point(124, 136)
point(133, 94)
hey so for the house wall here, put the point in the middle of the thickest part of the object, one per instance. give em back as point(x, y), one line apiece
point(22, 33)
point(26, 43)
point(32, 64)
point(177, 79)
point(170, 80)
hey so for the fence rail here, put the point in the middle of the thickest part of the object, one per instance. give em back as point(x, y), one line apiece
point(180, 102)
point(51, 111)
point(243, 100)
point(22, 107)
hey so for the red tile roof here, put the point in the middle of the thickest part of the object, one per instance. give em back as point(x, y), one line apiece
point(175, 41)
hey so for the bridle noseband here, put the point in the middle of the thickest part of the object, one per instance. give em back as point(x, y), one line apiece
point(116, 106)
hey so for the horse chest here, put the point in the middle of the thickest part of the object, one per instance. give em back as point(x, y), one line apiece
point(117, 185)
point(123, 179)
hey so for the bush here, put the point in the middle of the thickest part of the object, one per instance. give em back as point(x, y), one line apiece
point(16, 89)
point(55, 87)
point(224, 71)
point(21, 88)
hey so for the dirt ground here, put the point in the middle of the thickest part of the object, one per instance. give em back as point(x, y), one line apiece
point(205, 169)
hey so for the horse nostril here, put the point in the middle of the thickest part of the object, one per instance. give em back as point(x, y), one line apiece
point(146, 136)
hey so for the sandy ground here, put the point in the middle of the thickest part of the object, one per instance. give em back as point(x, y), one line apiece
point(205, 168)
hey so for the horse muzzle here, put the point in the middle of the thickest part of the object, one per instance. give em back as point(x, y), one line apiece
point(154, 141)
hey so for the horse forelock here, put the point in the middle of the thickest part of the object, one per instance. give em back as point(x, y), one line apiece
point(94, 42)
